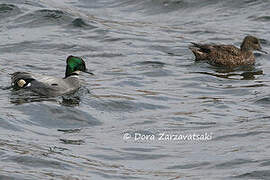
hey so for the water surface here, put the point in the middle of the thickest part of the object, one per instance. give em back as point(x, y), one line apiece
point(146, 83)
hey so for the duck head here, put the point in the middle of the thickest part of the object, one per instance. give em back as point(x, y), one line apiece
point(75, 65)
point(251, 43)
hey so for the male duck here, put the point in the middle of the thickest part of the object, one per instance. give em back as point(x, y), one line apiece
point(48, 85)
point(227, 55)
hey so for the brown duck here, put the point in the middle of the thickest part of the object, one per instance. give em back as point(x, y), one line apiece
point(228, 55)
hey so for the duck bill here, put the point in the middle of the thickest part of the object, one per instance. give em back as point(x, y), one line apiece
point(263, 51)
point(88, 72)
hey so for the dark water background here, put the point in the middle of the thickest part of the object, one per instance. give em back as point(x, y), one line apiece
point(146, 81)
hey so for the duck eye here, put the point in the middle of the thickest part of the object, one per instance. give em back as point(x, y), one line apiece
point(256, 42)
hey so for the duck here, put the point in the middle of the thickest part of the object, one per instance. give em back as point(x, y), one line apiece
point(50, 86)
point(228, 55)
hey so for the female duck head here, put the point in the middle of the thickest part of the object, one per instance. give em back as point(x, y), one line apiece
point(74, 64)
point(251, 43)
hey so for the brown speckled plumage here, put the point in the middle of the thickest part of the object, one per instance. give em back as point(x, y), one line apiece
point(227, 55)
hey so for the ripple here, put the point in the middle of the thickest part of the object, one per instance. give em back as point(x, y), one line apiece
point(140, 149)
point(262, 18)
point(44, 17)
point(234, 163)
point(153, 64)
point(266, 163)
point(124, 106)
point(263, 174)
point(7, 9)
point(157, 73)
point(190, 166)
point(239, 135)
point(54, 116)
point(80, 23)
point(72, 141)
point(37, 162)
point(131, 156)
point(263, 101)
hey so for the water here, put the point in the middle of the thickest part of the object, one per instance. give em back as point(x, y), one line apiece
point(146, 83)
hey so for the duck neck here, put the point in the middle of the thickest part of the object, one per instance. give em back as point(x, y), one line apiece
point(70, 72)
point(245, 47)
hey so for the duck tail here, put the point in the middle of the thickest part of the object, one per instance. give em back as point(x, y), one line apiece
point(21, 79)
point(199, 50)
point(195, 45)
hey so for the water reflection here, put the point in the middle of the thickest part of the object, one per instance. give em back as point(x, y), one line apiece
point(23, 96)
point(250, 75)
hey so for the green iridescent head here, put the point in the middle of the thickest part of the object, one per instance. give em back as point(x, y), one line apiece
point(74, 64)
